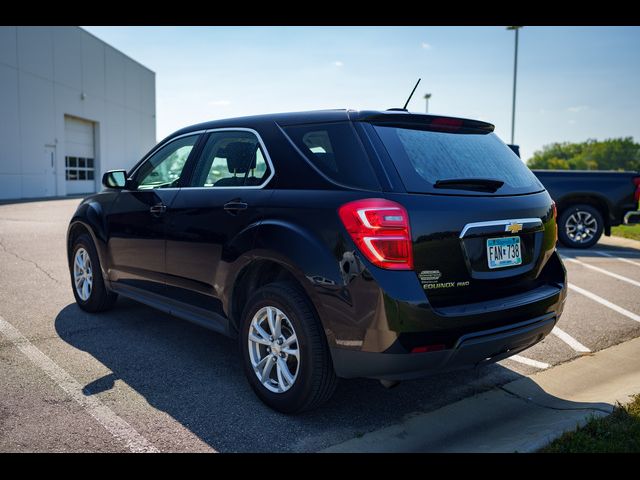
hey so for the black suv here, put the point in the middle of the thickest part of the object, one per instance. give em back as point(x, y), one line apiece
point(332, 244)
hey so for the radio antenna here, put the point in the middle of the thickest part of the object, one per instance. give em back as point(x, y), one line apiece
point(411, 95)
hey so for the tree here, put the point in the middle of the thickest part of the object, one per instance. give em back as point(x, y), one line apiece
point(610, 154)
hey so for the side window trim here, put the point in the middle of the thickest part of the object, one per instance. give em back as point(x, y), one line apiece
point(263, 147)
point(192, 161)
point(160, 146)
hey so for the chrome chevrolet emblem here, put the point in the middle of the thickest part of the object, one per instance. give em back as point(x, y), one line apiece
point(513, 227)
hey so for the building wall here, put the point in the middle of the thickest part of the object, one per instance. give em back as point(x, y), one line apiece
point(49, 72)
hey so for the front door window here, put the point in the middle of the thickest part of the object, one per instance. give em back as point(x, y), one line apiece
point(164, 168)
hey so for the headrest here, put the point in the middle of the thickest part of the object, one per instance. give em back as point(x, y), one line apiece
point(241, 156)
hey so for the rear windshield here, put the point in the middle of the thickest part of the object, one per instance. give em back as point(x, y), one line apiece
point(335, 150)
point(424, 157)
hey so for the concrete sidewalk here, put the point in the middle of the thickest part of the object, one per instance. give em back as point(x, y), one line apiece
point(618, 242)
point(521, 416)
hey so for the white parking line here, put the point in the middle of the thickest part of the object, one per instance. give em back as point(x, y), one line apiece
point(603, 271)
point(106, 417)
point(528, 361)
point(569, 340)
point(604, 302)
point(620, 259)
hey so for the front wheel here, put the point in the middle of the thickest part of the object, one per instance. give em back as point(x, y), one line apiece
point(89, 289)
point(285, 354)
point(580, 226)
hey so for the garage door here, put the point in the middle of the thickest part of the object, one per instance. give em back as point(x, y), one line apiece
point(80, 164)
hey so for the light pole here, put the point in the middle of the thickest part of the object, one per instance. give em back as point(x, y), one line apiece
point(427, 96)
point(515, 77)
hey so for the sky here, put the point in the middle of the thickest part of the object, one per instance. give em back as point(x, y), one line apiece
point(574, 83)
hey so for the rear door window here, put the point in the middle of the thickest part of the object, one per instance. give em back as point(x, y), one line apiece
point(423, 157)
point(335, 150)
point(231, 158)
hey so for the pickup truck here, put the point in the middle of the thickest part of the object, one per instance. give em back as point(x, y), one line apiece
point(590, 202)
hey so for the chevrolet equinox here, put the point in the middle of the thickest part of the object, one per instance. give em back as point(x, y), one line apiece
point(339, 243)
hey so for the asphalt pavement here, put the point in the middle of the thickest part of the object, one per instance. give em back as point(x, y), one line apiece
point(135, 379)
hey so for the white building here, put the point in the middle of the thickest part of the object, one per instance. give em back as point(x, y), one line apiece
point(71, 107)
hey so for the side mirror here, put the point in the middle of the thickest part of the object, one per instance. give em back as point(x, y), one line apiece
point(115, 179)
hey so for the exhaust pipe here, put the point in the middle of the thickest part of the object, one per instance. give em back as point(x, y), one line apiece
point(389, 384)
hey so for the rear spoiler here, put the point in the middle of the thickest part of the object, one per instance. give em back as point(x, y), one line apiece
point(417, 121)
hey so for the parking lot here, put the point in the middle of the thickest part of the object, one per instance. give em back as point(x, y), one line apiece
point(135, 379)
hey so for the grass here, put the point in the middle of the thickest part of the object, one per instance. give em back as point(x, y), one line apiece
point(618, 432)
point(627, 231)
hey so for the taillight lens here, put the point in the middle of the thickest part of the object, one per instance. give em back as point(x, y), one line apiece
point(555, 217)
point(380, 230)
point(636, 182)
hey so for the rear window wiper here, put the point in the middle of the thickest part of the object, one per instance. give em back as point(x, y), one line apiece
point(480, 184)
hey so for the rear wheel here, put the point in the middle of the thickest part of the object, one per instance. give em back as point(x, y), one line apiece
point(86, 277)
point(580, 226)
point(285, 353)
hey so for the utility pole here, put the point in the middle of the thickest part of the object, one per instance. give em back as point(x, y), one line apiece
point(427, 96)
point(515, 77)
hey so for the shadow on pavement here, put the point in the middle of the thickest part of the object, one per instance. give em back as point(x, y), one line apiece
point(195, 376)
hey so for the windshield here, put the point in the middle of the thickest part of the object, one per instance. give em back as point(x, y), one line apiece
point(425, 157)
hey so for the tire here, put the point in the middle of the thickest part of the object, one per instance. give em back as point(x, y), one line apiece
point(315, 379)
point(575, 216)
point(99, 299)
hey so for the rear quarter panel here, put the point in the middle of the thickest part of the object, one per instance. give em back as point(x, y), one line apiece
point(304, 233)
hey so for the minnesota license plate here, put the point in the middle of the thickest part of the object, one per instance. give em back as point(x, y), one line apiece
point(504, 252)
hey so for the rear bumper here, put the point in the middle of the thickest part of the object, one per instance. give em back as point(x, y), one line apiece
point(470, 350)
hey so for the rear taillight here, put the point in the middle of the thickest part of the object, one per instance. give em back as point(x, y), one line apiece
point(380, 230)
point(636, 182)
point(555, 217)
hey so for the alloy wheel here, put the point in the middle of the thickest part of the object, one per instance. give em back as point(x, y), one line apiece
point(581, 226)
point(82, 274)
point(274, 350)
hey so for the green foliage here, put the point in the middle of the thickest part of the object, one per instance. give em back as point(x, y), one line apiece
point(627, 231)
point(619, 432)
point(610, 154)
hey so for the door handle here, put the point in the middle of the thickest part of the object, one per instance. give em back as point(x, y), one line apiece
point(158, 209)
point(234, 207)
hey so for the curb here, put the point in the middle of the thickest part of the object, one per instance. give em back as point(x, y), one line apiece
point(521, 416)
point(618, 242)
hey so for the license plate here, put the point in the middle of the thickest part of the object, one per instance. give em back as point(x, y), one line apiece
point(504, 252)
